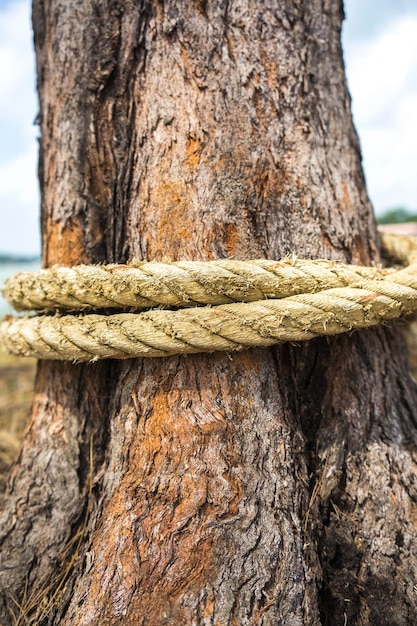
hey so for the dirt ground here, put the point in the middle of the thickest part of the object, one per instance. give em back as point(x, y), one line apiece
point(17, 377)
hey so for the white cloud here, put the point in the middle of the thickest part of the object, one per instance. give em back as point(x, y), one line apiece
point(18, 103)
point(382, 77)
point(19, 202)
point(19, 196)
point(18, 176)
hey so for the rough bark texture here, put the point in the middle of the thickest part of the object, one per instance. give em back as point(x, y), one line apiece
point(277, 486)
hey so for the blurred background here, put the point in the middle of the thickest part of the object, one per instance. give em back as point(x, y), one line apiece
point(380, 49)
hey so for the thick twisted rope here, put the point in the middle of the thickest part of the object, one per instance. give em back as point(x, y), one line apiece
point(188, 283)
point(290, 300)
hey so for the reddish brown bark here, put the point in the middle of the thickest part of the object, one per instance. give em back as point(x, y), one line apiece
point(268, 487)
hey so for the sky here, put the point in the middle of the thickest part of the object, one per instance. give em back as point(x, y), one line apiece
point(380, 49)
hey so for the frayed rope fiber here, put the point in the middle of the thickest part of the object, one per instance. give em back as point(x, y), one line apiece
point(251, 303)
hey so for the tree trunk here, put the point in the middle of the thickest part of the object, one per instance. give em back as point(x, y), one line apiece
point(272, 486)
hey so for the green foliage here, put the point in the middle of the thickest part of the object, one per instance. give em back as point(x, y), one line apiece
point(397, 216)
point(10, 258)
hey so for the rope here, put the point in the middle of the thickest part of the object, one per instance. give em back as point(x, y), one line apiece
point(290, 300)
point(146, 285)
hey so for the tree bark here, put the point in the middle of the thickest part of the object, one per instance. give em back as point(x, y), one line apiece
point(272, 486)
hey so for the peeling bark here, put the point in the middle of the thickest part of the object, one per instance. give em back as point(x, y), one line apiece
point(275, 486)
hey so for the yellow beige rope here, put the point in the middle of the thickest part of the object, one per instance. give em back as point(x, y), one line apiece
point(290, 300)
point(147, 285)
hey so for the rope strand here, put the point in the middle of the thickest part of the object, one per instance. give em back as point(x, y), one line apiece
point(330, 298)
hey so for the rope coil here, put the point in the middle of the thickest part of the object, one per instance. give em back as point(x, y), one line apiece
point(253, 303)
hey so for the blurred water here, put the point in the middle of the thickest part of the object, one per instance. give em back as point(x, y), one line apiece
point(7, 270)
